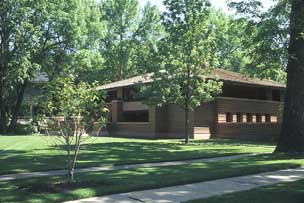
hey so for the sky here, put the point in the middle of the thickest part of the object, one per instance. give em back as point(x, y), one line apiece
point(220, 4)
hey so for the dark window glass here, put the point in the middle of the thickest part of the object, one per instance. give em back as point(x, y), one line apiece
point(229, 117)
point(276, 95)
point(135, 116)
point(249, 117)
point(267, 118)
point(111, 95)
point(131, 94)
point(259, 118)
point(261, 94)
point(239, 117)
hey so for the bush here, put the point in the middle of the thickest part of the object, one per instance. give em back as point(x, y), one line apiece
point(25, 129)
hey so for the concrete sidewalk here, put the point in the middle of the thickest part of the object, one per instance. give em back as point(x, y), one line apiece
point(201, 190)
point(112, 168)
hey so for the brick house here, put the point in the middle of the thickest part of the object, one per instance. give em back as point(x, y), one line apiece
point(247, 108)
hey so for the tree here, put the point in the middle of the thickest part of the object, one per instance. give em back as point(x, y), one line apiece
point(40, 35)
point(73, 109)
point(183, 78)
point(80, 51)
point(229, 49)
point(131, 36)
point(18, 29)
point(266, 37)
point(292, 134)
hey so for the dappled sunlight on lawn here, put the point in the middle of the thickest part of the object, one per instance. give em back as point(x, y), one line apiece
point(35, 153)
point(112, 182)
point(278, 193)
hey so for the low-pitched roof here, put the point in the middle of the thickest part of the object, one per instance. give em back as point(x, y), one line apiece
point(40, 78)
point(146, 78)
point(223, 75)
point(226, 75)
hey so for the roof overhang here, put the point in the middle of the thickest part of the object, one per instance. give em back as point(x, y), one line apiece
point(223, 75)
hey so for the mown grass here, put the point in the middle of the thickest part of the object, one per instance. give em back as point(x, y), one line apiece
point(279, 193)
point(38, 153)
point(111, 182)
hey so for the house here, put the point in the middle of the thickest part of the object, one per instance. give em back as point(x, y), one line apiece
point(247, 109)
point(32, 92)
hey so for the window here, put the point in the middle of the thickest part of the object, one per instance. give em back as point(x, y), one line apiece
point(267, 118)
point(131, 94)
point(221, 118)
point(276, 95)
point(239, 117)
point(274, 119)
point(229, 117)
point(111, 95)
point(261, 94)
point(249, 117)
point(135, 116)
point(237, 91)
point(259, 118)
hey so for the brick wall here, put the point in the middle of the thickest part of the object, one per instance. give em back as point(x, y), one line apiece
point(208, 120)
point(176, 121)
point(130, 129)
point(247, 131)
point(156, 127)
point(204, 120)
point(244, 129)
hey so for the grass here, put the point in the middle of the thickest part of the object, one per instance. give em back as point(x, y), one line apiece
point(111, 182)
point(279, 193)
point(37, 153)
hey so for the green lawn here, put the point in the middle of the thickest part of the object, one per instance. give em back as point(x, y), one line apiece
point(37, 153)
point(110, 182)
point(279, 193)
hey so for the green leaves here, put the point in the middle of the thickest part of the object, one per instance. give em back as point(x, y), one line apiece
point(67, 98)
point(266, 38)
point(182, 79)
point(44, 35)
point(73, 109)
point(129, 47)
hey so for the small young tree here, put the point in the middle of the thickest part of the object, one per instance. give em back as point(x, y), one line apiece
point(73, 110)
point(184, 77)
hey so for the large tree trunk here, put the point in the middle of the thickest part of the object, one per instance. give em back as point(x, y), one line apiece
point(2, 103)
point(3, 119)
point(17, 107)
point(4, 42)
point(292, 134)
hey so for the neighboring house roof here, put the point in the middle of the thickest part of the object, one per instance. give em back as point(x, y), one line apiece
point(223, 75)
point(34, 89)
point(41, 77)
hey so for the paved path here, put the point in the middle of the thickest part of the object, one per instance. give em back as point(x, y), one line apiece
point(112, 168)
point(201, 190)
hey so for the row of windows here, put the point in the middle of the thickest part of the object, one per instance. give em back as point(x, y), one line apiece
point(248, 118)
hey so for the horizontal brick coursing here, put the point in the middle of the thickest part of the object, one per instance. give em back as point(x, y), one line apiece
point(130, 129)
point(207, 120)
point(246, 130)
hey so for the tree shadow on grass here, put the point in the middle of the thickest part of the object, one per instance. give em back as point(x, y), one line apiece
point(235, 142)
point(113, 153)
point(148, 178)
point(278, 193)
point(136, 152)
